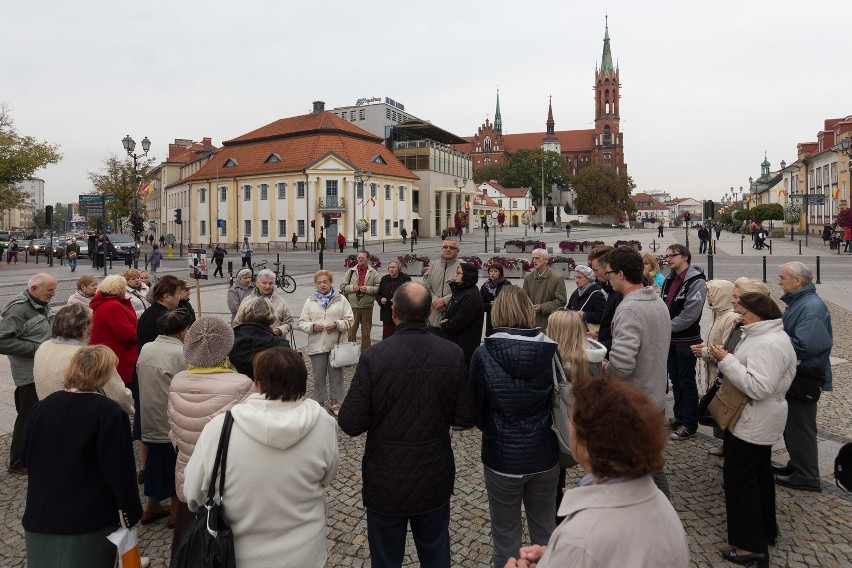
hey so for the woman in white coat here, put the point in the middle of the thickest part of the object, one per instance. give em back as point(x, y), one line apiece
point(282, 454)
point(326, 317)
point(762, 367)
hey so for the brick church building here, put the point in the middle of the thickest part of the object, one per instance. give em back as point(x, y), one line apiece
point(604, 144)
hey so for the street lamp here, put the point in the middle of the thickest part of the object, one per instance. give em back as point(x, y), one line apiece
point(130, 145)
point(362, 178)
point(460, 186)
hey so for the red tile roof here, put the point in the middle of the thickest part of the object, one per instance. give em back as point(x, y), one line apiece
point(300, 141)
point(644, 197)
point(190, 154)
point(569, 140)
point(515, 191)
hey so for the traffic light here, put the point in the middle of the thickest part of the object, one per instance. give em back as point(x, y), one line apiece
point(709, 209)
point(313, 224)
point(48, 215)
point(686, 216)
point(178, 217)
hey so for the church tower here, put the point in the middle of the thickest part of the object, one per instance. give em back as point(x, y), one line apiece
point(550, 143)
point(498, 120)
point(608, 145)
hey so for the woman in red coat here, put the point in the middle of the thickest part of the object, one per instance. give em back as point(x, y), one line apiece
point(114, 324)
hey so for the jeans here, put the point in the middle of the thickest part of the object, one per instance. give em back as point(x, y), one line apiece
point(431, 532)
point(247, 263)
point(681, 368)
point(537, 492)
point(321, 368)
point(218, 270)
point(364, 319)
point(72, 262)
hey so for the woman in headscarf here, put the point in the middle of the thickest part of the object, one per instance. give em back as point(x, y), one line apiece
point(462, 322)
point(242, 289)
point(588, 300)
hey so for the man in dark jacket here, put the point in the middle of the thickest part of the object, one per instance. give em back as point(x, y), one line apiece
point(703, 239)
point(684, 292)
point(613, 298)
point(407, 392)
point(808, 323)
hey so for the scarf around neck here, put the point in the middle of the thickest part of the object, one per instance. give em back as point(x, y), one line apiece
point(223, 366)
point(324, 299)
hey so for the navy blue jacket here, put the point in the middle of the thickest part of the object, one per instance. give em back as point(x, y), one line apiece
point(512, 381)
point(808, 323)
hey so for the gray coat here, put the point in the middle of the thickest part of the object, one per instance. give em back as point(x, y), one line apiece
point(641, 334)
point(236, 295)
point(437, 280)
point(24, 326)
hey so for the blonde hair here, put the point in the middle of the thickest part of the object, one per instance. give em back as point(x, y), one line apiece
point(319, 273)
point(113, 285)
point(747, 285)
point(567, 329)
point(513, 308)
point(652, 260)
point(90, 368)
point(85, 280)
point(255, 309)
point(131, 273)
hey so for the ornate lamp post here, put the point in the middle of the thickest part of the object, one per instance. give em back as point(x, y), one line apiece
point(362, 178)
point(460, 186)
point(130, 145)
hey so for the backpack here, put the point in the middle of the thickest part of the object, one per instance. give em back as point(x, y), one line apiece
point(843, 467)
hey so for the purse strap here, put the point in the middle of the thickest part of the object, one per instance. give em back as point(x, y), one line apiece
point(587, 300)
point(221, 457)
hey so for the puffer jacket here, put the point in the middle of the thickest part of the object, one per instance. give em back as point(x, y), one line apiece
point(24, 326)
point(762, 367)
point(194, 399)
point(808, 323)
point(464, 314)
point(512, 380)
point(251, 338)
point(338, 311)
point(406, 393)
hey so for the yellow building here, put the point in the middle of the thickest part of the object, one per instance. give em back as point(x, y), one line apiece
point(20, 218)
point(311, 175)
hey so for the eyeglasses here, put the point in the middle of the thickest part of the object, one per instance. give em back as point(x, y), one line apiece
point(671, 255)
point(612, 272)
point(449, 247)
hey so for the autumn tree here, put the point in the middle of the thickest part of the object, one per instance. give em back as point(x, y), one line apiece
point(116, 178)
point(489, 172)
point(20, 157)
point(603, 192)
point(527, 167)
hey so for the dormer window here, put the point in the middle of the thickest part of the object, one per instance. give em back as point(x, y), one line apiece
point(230, 163)
point(377, 159)
point(273, 157)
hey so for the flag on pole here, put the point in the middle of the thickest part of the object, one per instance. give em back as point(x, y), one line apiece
point(145, 189)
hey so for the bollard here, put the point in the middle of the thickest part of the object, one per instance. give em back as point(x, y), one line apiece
point(818, 271)
point(742, 241)
point(770, 247)
point(710, 267)
point(800, 247)
point(231, 267)
point(320, 257)
point(36, 258)
point(267, 247)
point(412, 245)
point(110, 262)
point(169, 255)
point(383, 246)
point(764, 269)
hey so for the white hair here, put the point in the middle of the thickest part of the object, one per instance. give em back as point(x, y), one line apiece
point(798, 269)
point(114, 285)
point(541, 252)
point(38, 280)
point(266, 273)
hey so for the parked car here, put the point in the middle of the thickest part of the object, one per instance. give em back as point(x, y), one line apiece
point(41, 246)
point(122, 246)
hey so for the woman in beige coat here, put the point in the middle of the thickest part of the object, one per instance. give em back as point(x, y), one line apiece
point(325, 317)
point(70, 331)
point(719, 295)
point(209, 387)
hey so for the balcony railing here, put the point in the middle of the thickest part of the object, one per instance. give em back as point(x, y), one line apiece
point(332, 202)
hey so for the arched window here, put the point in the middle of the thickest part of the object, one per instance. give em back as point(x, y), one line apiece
point(607, 136)
point(487, 144)
point(607, 159)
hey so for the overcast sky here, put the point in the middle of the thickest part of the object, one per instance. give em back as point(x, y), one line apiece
point(706, 87)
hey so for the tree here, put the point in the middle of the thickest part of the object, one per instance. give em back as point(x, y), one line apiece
point(726, 219)
point(601, 191)
point(20, 157)
point(116, 178)
point(489, 172)
point(769, 212)
point(525, 170)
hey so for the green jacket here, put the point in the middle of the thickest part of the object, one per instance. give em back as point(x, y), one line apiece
point(24, 326)
point(371, 281)
point(548, 291)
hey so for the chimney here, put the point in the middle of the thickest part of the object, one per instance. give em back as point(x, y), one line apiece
point(319, 106)
point(207, 141)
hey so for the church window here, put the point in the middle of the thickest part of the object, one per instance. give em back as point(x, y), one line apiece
point(607, 136)
point(607, 159)
point(487, 161)
point(487, 144)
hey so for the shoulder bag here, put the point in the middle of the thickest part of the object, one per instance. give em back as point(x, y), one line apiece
point(208, 541)
point(344, 354)
point(590, 326)
point(807, 385)
point(562, 406)
point(727, 406)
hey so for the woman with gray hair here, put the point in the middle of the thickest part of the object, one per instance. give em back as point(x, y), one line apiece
point(242, 289)
point(265, 288)
point(114, 324)
point(69, 332)
point(253, 334)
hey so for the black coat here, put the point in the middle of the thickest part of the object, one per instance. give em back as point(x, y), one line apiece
point(387, 287)
point(464, 317)
point(249, 339)
point(487, 298)
point(612, 302)
point(592, 302)
point(406, 393)
point(146, 327)
point(512, 383)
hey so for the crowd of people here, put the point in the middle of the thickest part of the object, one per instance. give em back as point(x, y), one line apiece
point(455, 354)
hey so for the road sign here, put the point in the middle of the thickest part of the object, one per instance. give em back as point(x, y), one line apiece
point(91, 209)
point(97, 198)
point(494, 215)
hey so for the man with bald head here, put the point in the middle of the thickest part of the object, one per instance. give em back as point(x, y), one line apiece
point(408, 390)
point(24, 326)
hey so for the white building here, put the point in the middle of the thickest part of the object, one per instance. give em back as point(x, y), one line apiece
point(511, 201)
point(35, 189)
point(374, 114)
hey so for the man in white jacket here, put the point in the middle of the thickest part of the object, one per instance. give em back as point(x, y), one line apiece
point(641, 332)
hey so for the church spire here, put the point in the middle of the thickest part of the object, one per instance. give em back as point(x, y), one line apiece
point(606, 58)
point(498, 121)
point(550, 122)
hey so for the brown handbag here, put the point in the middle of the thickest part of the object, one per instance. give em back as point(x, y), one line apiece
point(727, 406)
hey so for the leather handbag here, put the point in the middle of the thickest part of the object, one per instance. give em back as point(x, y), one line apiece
point(344, 354)
point(208, 541)
point(728, 405)
point(704, 416)
point(807, 385)
point(561, 408)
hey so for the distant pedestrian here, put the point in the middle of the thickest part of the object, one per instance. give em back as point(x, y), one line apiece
point(295, 240)
point(154, 261)
point(414, 236)
point(703, 238)
point(541, 228)
point(341, 241)
point(567, 230)
point(72, 251)
point(404, 234)
point(246, 250)
point(718, 228)
point(14, 248)
point(660, 230)
point(219, 258)
point(162, 241)
point(535, 227)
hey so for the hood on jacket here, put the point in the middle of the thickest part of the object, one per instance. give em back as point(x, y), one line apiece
point(470, 275)
point(275, 423)
point(722, 292)
point(520, 352)
point(100, 299)
point(249, 339)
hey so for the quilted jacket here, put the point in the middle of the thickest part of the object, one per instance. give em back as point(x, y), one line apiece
point(406, 393)
point(512, 381)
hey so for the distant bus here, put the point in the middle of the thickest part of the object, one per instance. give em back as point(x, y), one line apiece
point(7, 235)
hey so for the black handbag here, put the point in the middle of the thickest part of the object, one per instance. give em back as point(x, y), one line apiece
point(208, 541)
point(807, 385)
point(704, 416)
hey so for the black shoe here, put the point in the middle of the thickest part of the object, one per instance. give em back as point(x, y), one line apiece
point(682, 433)
point(673, 423)
point(746, 559)
point(782, 469)
point(790, 483)
point(18, 470)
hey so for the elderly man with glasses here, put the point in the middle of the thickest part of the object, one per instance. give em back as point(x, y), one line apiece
point(437, 280)
point(545, 288)
point(684, 292)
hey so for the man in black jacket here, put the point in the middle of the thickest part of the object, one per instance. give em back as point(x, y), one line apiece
point(597, 261)
point(407, 392)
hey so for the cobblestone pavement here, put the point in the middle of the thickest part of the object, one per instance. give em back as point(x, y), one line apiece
point(814, 526)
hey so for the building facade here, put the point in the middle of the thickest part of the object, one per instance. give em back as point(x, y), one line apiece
point(33, 187)
point(513, 202)
point(377, 115)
